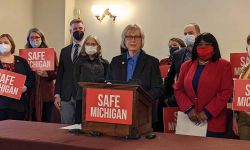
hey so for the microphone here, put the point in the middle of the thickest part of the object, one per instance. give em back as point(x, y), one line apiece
point(134, 81)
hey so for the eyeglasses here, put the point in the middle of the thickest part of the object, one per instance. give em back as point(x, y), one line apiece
point(35, 37)
point(90, 44)
point(204, 44)
point(136, 37)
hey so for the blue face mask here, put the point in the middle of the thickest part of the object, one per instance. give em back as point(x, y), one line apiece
point(5, 48)
point(189, 40)
point(35, 43)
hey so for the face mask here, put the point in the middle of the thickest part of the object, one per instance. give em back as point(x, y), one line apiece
point(4, 48)
point(173, 49)
point(35, 43)
point(78, 35)
point(90, 50)
point(205, 53)
point(189, 40)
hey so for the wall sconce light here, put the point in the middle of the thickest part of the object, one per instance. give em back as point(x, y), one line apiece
point(77, 13)
point(106, 13)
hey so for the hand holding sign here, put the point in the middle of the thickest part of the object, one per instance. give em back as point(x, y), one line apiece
point(42, 73)
point(23, 89)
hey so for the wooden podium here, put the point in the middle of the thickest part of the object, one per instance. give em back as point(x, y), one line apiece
point(141, 111)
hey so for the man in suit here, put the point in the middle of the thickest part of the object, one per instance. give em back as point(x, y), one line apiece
point(136, 66)
point(65, 89)
point(191, 31)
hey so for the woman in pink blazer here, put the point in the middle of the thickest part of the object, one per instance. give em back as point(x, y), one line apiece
point(205, 85)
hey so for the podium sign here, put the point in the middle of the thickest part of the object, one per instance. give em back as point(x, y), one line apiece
point(116, 109)
point(110, 106)
point(241, 98)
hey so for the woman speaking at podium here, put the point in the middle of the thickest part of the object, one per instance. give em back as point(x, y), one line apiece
point(136, 65)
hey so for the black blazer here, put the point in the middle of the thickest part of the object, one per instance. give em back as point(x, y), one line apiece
point(64, 80)
point(177, 60)
point(147, 72)
point(21, 67)
point(86, 70)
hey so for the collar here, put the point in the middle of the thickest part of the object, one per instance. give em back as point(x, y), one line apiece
point(133, 57)
point(80, 43)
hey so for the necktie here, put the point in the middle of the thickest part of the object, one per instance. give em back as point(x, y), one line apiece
point(75, 56)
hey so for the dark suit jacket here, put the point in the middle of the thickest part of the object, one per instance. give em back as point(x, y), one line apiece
point(147, 72)
point(21, 67)
point(177, 60)
point(64, 80)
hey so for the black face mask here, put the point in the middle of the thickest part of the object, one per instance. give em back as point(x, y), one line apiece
point(78, 35)
point(173, 49)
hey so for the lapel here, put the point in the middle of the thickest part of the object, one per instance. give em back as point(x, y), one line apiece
point(183, 55)
point(139, 65)
point(123, 64)
point(68, 53)
point(190, 75)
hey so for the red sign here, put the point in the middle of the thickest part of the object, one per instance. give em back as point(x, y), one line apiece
point(170, 119)
point(238, 60)
point(39, 58)
point(10, 84)
point(110, 106)
point(164, 70)
point(241, 98)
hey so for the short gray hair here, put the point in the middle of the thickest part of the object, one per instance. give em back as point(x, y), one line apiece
point(75, 21)
point(129, 28)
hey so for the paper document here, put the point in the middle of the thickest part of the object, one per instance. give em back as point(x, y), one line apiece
point(186, 127)
point(74, 126)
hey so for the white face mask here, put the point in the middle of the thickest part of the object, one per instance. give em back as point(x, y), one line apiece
point(35, 43)
point(4, 48)
point(90, 50)
point(189, 40)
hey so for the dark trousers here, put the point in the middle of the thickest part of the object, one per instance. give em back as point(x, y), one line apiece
point(78, 112)
point(47, 111)
point(215, 134)
point(6, 114)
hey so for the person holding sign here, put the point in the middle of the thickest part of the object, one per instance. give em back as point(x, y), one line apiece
point(241, 119)
point(65, 89)
point(11, 108)
point(138, 67)
point(42, 97)
point(90, 67)
point(191, 31)
point(174, 44)
point(205, 85)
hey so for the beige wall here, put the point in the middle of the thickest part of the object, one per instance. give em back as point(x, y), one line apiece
point(49, 17)
point(16, 17)
point(161, 19)
point(228, 20)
